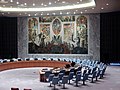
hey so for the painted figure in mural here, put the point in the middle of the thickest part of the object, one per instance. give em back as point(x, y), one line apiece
point(42, 39)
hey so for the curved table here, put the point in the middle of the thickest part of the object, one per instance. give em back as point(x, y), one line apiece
point(32, 63)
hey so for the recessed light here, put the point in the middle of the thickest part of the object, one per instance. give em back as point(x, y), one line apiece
point(107, 4)
point(50, 3)
point(41, 3)
point(11, 0)
point(102, 8)
point(33, 4)
point(45, 5)
point(53, 13)
point(28, 14)
point(2, 13)
point(85, 10)
point(17, 2)
point(35, 14)
point(3, 5)
point(60, 12)
point(74, 12)
point(78, 2)
point(25, 3)
point(67, 12)
point(58, 0)
point(8, 12)
point(81, 12)
point(93, 8)
point(55, 1)
point(63, 2)
point(41, 14)
point(47, 13)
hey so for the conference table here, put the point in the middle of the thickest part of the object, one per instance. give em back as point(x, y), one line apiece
point(32, 63)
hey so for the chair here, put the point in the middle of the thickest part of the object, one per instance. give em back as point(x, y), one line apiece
point(27, 89)
point(47, 73)
point(93, 76)
point(78, 78)
point(50, 78)
point(55, 81)
point(14, 88)
point(71, 74)
point(64, 81)
point(84, 78)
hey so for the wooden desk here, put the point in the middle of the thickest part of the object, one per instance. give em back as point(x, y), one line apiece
point(32, 63)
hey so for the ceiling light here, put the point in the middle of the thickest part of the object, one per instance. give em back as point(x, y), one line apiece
point(81, 12)
point(60, 12)
point(41, 14)
point(58, 0)
point(25, 3)
point(67, 12)
point(47, 13)
point(80, 0)
point(28, 14)
point(2, 13)
point(45, 5)
point(20, 14)
point(41, 3)
point(53, 13)
point(33, 4)
point(102, 8)
point(63, 1)
point(11, 0)
point(36, 14)
point(74, 12)
point(50, 3)
point(55, 2)
point(93, 8)
point(17, 2)
point(3, 5)
point(107, 4)
point(67, 7)
point(85, 10)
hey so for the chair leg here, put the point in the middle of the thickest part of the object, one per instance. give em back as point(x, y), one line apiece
point(83, 82)
point(63, 86)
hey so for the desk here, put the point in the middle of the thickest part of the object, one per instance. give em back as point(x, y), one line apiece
point(32, 63)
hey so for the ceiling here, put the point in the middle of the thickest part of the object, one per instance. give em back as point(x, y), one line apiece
point(101, 7)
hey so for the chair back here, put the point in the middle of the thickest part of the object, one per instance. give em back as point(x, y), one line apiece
point(65, 79)
point(55, 80)
point(78, 77)
point(47, 73)
point(50, 77)
point(70, 75)
point(60, 76)
point(14, 88)
point(27, 89)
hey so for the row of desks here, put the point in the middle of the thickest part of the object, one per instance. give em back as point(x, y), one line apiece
point(32, 63)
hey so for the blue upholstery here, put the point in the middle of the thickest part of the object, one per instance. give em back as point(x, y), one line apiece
point(50, 78)
point(78, 78)
point(64, 81)
point(55, 81)
point(70, 76)
point(84, 78)
point(47, 73)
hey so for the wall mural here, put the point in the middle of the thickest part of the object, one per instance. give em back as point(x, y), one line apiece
point(58, 35)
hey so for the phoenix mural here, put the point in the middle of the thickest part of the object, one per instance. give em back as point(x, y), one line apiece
point(58, 35)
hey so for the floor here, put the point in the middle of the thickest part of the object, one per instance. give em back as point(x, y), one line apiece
point(29, 78)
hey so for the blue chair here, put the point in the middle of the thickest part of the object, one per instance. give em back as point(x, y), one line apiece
point(62, 71)
point(93, 76)
point(47, 73)
point(55, 81)
point(64, 81)
point(78, 72)
point(50, 78)
point(14, 88)
point(97, 74)
point(78, 78)
point(84, 78)
point(70, 77)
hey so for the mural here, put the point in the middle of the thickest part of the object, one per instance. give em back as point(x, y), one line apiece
point(58, 35)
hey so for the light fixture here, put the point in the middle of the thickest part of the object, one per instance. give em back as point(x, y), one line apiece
point(57, 8)
point(11, 0)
